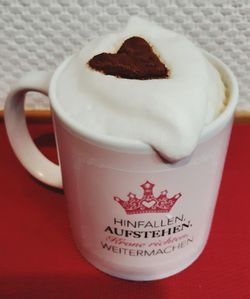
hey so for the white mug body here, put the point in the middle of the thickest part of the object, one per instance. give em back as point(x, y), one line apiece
point(104, 181)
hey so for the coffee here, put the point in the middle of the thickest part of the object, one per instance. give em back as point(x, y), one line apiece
point(132, 215)
point(109, 89)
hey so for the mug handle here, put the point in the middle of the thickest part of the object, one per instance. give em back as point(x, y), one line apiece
point(25, 149)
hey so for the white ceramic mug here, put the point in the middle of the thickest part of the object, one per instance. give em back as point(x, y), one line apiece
point(132, 215)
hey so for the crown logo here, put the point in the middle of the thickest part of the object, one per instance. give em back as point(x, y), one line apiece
point(148, 203)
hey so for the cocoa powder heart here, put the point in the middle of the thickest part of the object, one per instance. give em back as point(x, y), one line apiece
point(134, 60)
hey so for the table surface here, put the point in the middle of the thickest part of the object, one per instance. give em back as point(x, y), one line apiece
point(38, 258)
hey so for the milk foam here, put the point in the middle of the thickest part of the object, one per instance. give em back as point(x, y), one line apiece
point(168, 114)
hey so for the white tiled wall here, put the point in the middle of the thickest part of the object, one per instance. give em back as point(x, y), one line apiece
point(39, 34)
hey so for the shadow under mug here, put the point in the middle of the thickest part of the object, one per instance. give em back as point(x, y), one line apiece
point(132, 215)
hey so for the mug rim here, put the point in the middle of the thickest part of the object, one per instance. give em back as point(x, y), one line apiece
point(131, 145)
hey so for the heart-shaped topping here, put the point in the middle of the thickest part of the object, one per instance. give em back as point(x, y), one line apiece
point(148, 204)
point(134, 60)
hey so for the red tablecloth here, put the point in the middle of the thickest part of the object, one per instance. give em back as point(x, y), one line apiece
point(38, 258)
